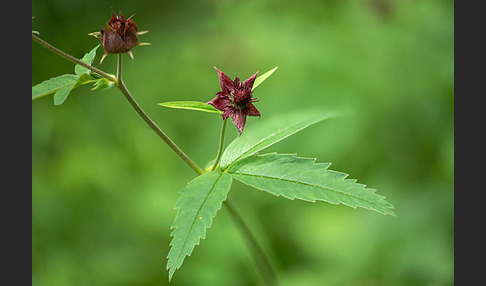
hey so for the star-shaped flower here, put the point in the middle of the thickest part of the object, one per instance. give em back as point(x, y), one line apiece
point(235, 99)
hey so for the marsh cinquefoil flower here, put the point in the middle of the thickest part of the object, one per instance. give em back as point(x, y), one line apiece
point(235, 99)
point(119, 35)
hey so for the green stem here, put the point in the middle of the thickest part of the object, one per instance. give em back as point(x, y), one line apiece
point(71, 58)
point(263, 262)
point(265, 268)
point(221, 142)
point(150, 122)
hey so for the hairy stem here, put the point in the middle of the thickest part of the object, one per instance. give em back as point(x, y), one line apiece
point(221, 142)
point(150, 122)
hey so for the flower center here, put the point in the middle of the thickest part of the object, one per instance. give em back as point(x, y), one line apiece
point(242, 97)
point(118, 27)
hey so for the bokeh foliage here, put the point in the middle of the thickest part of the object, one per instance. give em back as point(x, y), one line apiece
point(104, 185)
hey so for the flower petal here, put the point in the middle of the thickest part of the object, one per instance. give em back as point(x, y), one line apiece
point(225, 81)
point(134, 26)
point(121, 17)
point(237, 82)
point(251, 110)
point(220, 103)
point(113, 17)
point(239, 118)
point(248, 83)
point(222, 94)
point(112, 42)
point(228, 112)
point(131, 39)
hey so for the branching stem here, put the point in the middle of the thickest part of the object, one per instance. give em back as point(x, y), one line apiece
point(150, 122)
point(264, 265)
point(73, 59)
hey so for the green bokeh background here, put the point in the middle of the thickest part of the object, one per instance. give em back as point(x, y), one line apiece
point(104, 185)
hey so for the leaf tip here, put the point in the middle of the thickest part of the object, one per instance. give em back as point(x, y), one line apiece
point(171, 272)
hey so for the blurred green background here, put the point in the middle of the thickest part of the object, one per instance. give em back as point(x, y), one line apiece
point(104, 185)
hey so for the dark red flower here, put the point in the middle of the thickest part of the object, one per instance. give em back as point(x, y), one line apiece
point(119, 35)
point(235, 99)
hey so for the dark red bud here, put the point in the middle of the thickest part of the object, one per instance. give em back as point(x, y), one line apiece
point(119, 35)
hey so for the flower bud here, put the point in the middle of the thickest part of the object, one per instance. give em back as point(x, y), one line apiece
point(119, 36)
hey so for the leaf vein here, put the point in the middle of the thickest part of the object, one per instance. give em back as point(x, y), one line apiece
point(256, 145)
point(196, 216)
point(308, 184)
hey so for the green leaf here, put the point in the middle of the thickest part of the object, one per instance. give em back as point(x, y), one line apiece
point(197, 205)
point(62, 85)
point(201, 106)
point(84, 79)
point(87, 59)
point(302, 178)
point(260, 136)
point(53, 85)
point(209, 165)
point(102, 84)
point(190, 105)
point(263, 77)
point(61, 95)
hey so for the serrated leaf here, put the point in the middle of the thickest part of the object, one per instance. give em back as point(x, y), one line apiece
point(261, 136)
point(190, 105)
point(263, 77)
point(293, 177)
point(197, 206)
point(52, 85)
point(87, 59)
